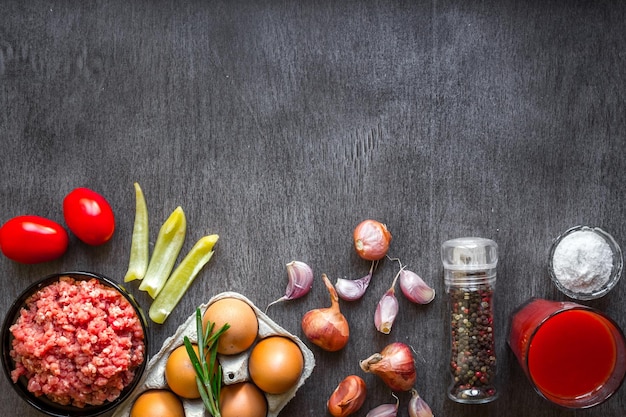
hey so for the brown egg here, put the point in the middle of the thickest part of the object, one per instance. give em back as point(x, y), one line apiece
point(180, 373)
point(157, 403)
point(275, 364)
point(243, 322)
point(243, 399)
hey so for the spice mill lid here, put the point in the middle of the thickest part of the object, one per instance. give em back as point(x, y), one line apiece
point(469, 254)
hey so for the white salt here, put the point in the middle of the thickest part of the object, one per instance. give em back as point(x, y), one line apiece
point(583, 261)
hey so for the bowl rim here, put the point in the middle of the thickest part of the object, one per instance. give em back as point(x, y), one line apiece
point(41, 403)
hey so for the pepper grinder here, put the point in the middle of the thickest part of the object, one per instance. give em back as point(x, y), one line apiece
point(470, 277)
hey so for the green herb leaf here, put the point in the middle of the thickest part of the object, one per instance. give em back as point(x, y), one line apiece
point(208, 374)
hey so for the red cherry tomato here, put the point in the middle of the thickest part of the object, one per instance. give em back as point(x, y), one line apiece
point(89, 216)
point(33, 239)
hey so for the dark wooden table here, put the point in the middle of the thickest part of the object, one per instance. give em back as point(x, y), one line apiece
point(281, 125)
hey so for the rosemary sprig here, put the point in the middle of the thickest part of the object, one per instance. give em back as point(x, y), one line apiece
point(208, 373)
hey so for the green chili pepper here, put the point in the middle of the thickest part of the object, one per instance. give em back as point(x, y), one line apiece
point(139, 253)
point(181, 278)
point(168, 245)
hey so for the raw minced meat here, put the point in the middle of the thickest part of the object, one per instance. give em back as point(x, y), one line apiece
point(78, 342)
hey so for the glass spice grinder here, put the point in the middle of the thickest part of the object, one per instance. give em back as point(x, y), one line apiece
point(470, 277)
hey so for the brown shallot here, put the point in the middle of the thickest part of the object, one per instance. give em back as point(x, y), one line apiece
point(300, 277)
point(327, 327)
point(371, 240)
point(418, 407)
point(395, 365)
point(348, 397)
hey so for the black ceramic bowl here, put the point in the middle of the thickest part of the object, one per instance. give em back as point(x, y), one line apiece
point(42, 403)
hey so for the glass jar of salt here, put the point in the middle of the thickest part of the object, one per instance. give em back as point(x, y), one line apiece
point(585, 262)
point(470, 279)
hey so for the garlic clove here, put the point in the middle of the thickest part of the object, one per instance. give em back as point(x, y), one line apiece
point(352, 289)
point(385, 410)
point(418, 407)
point(300, 277)
point(414, 288)
point(386, 311)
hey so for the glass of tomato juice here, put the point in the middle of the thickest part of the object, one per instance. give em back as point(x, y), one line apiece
point(573, 355)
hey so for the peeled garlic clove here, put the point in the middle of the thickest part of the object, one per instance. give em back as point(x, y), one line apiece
point(300, 277)
point(418, 407)
point(394, 364)
point(414, 288)
point(385, 410)
point(386, 311)
point(348, 397)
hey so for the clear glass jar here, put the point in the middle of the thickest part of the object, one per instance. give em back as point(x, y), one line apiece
point(470, 278)
point(576, 263)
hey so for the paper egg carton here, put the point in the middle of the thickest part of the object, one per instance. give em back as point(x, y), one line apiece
point(235, 367)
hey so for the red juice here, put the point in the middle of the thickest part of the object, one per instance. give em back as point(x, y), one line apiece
point(573, 355)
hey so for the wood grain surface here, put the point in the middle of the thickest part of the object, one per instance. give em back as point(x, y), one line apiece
point(281, 125)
